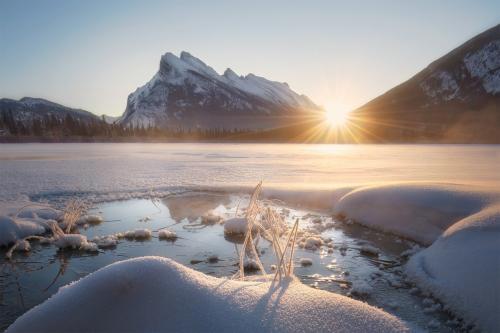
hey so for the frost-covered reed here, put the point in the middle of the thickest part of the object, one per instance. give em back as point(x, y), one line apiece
point(264, 221)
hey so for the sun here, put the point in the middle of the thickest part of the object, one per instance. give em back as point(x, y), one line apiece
point(336, 116)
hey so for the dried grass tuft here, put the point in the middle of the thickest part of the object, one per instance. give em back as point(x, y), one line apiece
point(264, 221)
point(72, 212)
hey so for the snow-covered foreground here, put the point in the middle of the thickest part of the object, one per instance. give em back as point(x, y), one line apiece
point(156, 294)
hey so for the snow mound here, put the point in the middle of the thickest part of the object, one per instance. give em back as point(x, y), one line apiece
point(421, 212)
point(105, 242)
point(462, 268)
point(45, 213)
point(182, 300)
point(12, 230)
point(137, 234)
point(311, 243)
point(236, 225)
point(167, 234)
point(75, 242)
point(90, 219)
point(210, 219)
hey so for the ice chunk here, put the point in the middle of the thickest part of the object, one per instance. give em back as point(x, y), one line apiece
point(167, 235)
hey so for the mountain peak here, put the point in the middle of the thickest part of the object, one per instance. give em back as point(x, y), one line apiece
point(33, 100)
point(186, 56)
point(185, 62)
point(30, 101)
point(230, 74)
point(188, 92)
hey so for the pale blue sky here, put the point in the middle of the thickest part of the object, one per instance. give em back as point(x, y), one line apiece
point(92, 54)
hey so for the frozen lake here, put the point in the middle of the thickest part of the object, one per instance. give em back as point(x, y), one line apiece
point(189, 180)
point(96, 169)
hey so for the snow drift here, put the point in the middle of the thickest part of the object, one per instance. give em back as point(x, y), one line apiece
point(157, 294)
point(462, 225)
point(462, 268)
point(421, 212)
point(12, 230)
point(22, 218)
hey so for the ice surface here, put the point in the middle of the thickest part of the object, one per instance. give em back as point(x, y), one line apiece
point(361, 288)
point(323, 173)
point(156, 294)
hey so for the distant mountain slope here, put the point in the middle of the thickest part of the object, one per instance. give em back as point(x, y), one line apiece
point(39, 117)
point(455, 99)
point(27, 109)
point(185, 92)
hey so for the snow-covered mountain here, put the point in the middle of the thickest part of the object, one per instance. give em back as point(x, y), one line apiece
point(456, 98)
point(188, 93)
point(28, 109)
